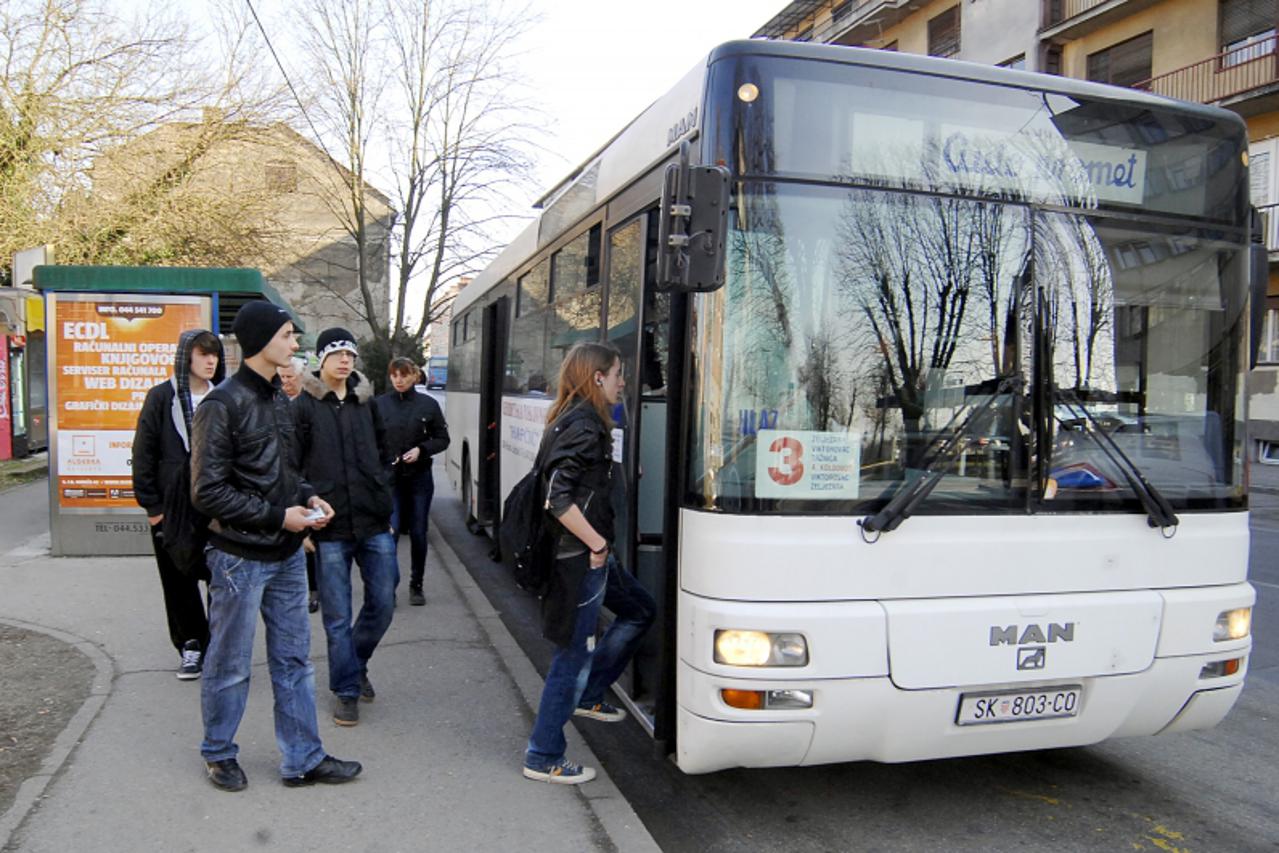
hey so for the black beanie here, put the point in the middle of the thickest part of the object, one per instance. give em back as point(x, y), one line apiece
point(256, 323)
point(334, 340)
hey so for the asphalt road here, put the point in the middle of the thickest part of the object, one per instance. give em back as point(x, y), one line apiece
point(1199, 791)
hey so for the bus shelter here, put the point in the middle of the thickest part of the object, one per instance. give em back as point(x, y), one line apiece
point(112, 335)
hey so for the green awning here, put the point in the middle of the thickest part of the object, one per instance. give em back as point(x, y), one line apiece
point(232, 286)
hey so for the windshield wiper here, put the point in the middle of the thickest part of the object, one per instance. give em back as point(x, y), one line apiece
point(1159, 513)
point(914, 491)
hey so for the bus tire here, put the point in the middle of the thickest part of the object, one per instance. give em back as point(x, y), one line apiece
point(472, 524)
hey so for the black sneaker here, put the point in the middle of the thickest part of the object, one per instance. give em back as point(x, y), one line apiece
point(313, 602)
point(226, 774)
point(330, 771)
point(367, 693)
point(346, 711)
point(562, 772)
point(192, 661)
point(416, 598)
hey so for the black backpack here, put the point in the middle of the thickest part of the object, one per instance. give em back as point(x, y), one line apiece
point(525, 536)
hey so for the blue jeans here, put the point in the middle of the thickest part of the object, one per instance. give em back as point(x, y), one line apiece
point(634, 611)
point(411, 511)
point(238, 590)
point(351, 645)
point(566, 679)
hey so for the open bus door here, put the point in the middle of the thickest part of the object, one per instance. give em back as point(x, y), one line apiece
point(638, 323)
point(492, 376)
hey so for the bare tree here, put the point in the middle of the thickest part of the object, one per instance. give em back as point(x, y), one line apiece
point(76, 78)
point(466, 140)
point(424, 88)
point(344, 40)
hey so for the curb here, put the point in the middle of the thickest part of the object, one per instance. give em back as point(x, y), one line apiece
point(33, 787)
point(615, 815)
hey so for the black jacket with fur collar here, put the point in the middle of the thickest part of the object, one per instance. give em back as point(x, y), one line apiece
point(342, 451)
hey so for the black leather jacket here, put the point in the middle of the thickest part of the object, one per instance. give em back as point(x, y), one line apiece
point(242, 475)
point(577, 464)
point(578, 467)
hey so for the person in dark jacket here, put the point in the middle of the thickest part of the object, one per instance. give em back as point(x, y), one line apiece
point(291, 384)
point(577, 450)
point(244, 479)
point(415, 431)
point(342, 451)
point(162, 486)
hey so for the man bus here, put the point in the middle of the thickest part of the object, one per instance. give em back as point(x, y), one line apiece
point(953, 461)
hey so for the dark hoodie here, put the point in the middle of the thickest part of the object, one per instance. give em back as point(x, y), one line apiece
point(343, 453)
point(162, 447)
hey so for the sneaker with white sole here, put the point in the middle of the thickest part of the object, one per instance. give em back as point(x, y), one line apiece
point(600, 711)
point(192, 661)
point(562, 772)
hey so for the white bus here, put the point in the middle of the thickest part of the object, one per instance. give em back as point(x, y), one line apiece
point(953, 462)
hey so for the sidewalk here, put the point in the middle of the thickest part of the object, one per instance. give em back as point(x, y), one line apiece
point(441, 745)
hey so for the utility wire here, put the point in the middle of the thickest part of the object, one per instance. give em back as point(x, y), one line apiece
point(319, 140)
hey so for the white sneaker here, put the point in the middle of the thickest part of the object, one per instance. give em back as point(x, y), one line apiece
point(562, 772)
point(600, 711)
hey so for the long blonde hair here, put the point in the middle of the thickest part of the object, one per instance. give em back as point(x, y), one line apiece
point(577, 380)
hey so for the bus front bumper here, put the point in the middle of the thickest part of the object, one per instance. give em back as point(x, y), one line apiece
point(871, 719)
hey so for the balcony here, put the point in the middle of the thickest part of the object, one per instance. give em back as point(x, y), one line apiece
point(1064, 20)
point(1231, 78)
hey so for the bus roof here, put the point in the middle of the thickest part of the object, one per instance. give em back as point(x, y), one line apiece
point(647, 140)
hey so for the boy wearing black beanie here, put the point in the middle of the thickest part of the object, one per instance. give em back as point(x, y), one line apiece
point(342, 444)
point(244, 478)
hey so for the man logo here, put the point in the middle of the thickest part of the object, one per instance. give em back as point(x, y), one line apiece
point(1011, 636)
point(1032, 657)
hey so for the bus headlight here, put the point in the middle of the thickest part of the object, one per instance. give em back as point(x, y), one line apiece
point(1233, 624)
point(759, 648)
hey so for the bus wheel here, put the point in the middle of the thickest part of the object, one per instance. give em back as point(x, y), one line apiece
point(472, 524)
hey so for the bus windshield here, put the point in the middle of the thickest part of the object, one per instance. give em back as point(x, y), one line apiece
point(863, 329)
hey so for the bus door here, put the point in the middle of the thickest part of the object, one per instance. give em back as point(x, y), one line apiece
point(637, 321)
point(492, 372)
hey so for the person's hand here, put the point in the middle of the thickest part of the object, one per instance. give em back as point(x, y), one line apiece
point(411, 456)
point(318, 502)
point(153, 520)
point(295, 519)
point(308, 546)
point(598, 560)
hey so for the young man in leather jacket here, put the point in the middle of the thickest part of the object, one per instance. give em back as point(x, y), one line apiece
point(244, 479)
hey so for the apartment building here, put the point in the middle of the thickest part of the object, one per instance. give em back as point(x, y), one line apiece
point(1220, 52)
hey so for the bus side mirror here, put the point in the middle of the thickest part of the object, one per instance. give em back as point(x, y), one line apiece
point(1258, 283)
point(692, 226)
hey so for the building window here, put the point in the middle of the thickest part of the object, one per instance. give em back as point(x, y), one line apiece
point(1268, 452)
point(1018, 62)
point(1123, 64)
point(943, 33)
point(1247, 30)
point(841, 9)
point(1268, 350)
point(281, 177)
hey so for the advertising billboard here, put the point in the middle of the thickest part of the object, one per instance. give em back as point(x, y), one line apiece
point(106, 350)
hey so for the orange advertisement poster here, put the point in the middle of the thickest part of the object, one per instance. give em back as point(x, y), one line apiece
point(107, 352)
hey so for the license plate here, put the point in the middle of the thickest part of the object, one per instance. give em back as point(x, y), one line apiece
point(1012, 706)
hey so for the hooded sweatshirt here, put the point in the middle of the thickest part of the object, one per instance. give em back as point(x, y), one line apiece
point(162, 441)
